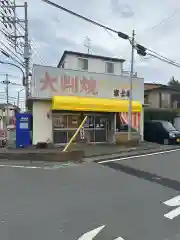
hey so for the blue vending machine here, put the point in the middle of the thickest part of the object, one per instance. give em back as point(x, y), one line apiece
point(23, 130)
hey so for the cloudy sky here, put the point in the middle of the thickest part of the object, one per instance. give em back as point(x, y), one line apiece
point(52, 31)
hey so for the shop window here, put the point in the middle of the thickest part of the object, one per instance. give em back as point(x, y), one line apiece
point(60, 122)
point(70, 135)
point(90, 122)
point(100, 122)
point(60, 137)
point(73, 121)
point(83, 63)
point(109, 67)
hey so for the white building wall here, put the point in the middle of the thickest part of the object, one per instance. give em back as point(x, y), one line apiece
point(70, 62)
point(94, 65)
point(3, 113)
point(42, 125)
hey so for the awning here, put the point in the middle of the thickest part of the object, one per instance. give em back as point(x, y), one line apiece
point(91, 104)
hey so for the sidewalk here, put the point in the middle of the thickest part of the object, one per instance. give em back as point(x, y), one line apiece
point(91, 152)
point(106, 149)
point(106, 152)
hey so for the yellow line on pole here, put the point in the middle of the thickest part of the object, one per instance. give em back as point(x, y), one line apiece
point(75, 134)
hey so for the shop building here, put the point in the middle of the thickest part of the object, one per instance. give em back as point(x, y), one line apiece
point(91, 63)
point(105, 65)
point(62, 97)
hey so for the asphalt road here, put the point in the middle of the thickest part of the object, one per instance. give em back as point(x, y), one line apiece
point(127, 196)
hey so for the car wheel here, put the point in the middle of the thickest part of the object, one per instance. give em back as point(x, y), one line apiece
point(166, 141)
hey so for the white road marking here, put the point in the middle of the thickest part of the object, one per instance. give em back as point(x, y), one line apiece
point(91, 234)
point(138, 156)
point(53, 167)
point(26, 167)
point(20, 166)
point(173, 202)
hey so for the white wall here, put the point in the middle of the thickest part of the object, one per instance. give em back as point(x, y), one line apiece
point(42, 125)
point(94, 65)
point(11, 113)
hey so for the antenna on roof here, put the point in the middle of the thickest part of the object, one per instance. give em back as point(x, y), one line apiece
point(87, 44)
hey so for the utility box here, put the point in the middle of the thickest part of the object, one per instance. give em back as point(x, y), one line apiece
point(23, 130)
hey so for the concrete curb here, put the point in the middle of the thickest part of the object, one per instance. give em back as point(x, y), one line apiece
point(128, 154)
point(73, 156)
point(78, 156)
point(125, 150)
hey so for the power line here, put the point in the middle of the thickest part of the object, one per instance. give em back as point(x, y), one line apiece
point(34, 47)
point(110, 34)
point(6, 34)
point(4, 74)
point(10, 49)
point(160, 56)
point(19, 60)
point(32, 42)
point(163, 20)
point(37, 52)
point(165, 60)
point(21, 54)
point(140, 49)
point(12, 21)
point(83, 17)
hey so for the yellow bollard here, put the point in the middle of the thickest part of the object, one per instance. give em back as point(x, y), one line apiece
point(75, 134)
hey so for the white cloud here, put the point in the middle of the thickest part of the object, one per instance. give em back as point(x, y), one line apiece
point(54, 31)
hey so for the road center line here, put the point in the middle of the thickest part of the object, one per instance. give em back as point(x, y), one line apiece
point(138, 156)
point(20, 166)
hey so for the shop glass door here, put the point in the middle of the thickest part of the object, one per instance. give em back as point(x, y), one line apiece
point(60, 129)
point(74, 122)
point(100, 129)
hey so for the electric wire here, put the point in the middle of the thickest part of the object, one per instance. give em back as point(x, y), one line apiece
point(35, 48)
point(10, 49)
point(163, 20)
point(18, 23)
point(164, 60)
point(19, 61)
point(81, 16)
point(158, 56)
point(10, 42)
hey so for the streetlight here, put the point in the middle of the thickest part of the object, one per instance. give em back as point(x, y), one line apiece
point(24, 78)
point(13, 64)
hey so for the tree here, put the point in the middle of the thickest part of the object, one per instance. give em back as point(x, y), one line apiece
point(174, 83)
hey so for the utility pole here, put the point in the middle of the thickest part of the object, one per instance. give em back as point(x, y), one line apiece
point(7, 82)
point(131, 88)
point(19, 36)
point(7, 99)
point(18, 98)
point(26, 56)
